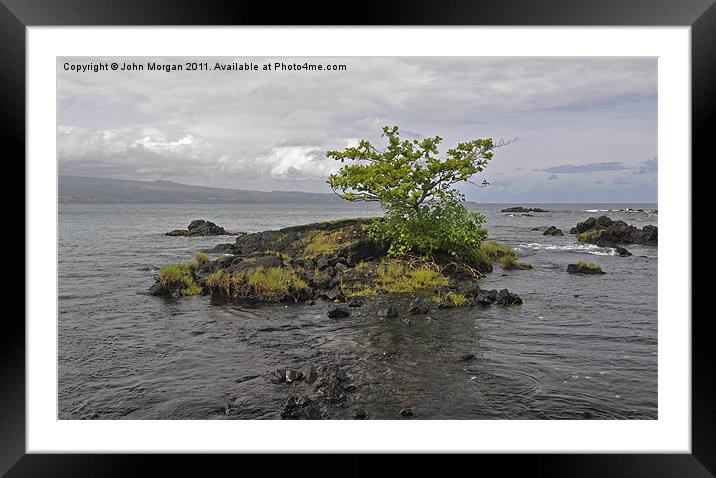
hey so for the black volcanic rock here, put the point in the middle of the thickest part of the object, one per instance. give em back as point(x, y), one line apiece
point(524, 209)
point(583, 269)
point(552, 231)
point(606, 231)
point(200, 227)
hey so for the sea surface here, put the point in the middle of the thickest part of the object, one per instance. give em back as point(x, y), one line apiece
point(579, 347)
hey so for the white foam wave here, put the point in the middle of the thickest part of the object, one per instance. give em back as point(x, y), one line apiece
point(587, 248)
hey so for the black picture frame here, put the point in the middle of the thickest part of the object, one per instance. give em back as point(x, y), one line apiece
point(700, 15)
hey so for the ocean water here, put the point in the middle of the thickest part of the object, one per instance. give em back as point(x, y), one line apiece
point(579, 347)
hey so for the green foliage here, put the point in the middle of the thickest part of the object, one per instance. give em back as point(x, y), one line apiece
point(502, 254)
point(325, 243)
point(275, 283)
point(221, 280)
point(458, 300)
point(424, 213)
point(494, 250)
point(511, 262)
point(192, 289)
point(588, 265)
point(393, 275)
point(200, 259)
point(173, 276)
point(446, 228)
point(590, 236)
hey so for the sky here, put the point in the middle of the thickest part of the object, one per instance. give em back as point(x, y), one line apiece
point(582, 129)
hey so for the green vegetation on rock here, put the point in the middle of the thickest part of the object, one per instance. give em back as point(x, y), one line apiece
point(424, 213)
point(200, 259)
point(589, 265)
point(590, 236)
point(326, 243)
point(275, 283)
point(458, 300)
point(173, 276)
point(394, 275)
point(503, 255)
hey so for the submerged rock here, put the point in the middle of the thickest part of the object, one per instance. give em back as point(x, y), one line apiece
point(389, 312)
point(337, 311)
point(301, 409)
point(418, 306)
point(359, 414)
point(552, 231)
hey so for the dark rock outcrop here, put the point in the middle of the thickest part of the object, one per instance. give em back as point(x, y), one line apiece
point(583, 269)
point(334, 261)
point(552, 231)
point(200, 227)
point(524, 209)
point(604, 230)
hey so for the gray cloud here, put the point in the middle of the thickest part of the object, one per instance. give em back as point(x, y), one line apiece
point(585, 168)
point(270, 130)
point(552, 177)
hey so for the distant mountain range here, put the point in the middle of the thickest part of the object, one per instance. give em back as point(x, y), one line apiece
point(76, 189)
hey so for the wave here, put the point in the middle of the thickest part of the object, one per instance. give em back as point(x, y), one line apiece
point(588, 248)
point(627, 210)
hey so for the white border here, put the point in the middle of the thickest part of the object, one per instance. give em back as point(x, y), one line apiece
point(670, 433)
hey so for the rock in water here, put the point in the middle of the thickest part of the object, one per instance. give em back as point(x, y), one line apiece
point(200, 227)
point(583, 269)
point(389, 312)
point(606, 231)
point(301, 409)
point(524, 209)
point(552, 231)
point(337, 311)
point(418, 306)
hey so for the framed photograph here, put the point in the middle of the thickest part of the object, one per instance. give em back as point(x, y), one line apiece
point(419, 229)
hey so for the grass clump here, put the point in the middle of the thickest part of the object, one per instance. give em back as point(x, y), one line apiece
point(275, 283)
point(192, 289)
point(589, 265)
point(503, 255)
point(494, 250)
point(200, 259)
point(458, 300)
point(173, 276)
point(395, 276)
point(326, 243)
point(221, 280)
point(590, 236)
point(511, 262)
point(392, 275)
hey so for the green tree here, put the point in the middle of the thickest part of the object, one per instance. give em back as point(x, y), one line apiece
point(424, 213)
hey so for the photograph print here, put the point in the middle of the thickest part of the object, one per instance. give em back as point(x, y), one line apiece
point(358, 238)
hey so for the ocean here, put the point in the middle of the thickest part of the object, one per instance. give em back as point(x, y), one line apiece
point(579, 346)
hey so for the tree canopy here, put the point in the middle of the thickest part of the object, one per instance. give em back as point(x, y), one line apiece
point(424, 212)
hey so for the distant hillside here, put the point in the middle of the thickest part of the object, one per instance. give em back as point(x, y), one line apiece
point(75, 189)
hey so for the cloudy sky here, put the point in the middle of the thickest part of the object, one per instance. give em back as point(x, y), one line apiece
point(585, 128)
